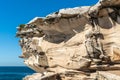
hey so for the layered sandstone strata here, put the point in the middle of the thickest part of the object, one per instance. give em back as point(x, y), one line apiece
point(73, 39)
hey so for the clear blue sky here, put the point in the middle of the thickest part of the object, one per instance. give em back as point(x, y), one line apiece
point(15, 12)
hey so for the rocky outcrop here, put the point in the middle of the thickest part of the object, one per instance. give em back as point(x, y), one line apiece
point(72, 40)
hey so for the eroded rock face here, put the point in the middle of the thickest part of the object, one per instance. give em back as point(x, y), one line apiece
point(72, 39)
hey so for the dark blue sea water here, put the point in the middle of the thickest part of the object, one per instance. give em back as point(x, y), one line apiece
point(14, 73)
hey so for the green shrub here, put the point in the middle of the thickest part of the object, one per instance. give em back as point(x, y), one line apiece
point(22, 25)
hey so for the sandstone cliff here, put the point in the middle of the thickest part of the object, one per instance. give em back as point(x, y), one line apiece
point(71, 42)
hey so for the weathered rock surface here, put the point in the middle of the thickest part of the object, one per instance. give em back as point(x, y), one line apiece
point(74, 39)
point(111, 75)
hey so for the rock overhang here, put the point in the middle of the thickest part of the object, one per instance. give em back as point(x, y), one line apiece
point(67, 36)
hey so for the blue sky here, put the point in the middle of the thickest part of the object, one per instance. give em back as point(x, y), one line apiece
point(15, 12)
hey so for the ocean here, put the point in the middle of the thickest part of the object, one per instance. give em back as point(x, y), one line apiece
point(14, 73)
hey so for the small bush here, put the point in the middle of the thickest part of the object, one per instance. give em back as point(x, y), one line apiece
point(22, 25)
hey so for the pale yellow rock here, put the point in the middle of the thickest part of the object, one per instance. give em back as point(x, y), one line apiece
point(72, 39)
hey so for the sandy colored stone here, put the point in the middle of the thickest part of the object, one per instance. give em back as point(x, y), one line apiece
point(78, 39)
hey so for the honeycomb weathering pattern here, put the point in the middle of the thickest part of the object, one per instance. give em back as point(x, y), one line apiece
point(72, 39)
